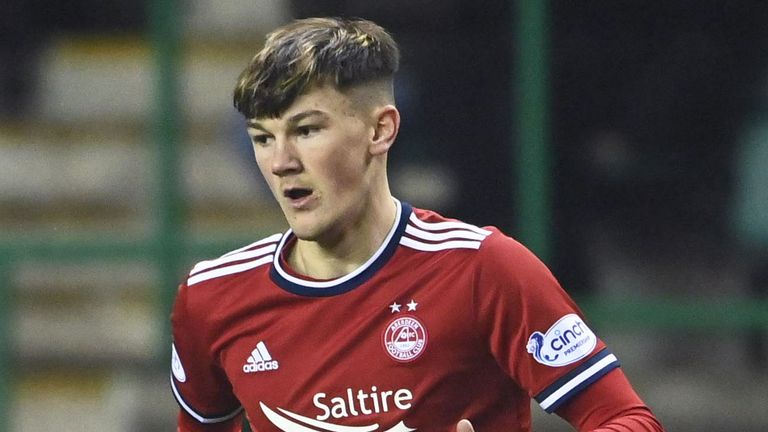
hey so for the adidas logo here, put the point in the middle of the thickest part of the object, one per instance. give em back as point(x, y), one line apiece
point(260, 360)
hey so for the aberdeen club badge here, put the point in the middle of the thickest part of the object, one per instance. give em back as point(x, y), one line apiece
point(405, 338)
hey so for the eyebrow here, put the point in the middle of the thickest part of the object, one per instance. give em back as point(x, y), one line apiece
point(292, 120)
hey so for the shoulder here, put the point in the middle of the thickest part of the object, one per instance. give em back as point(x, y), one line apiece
point(429, 231)
point(240, 260)
point(206, 300)
point(495, 256)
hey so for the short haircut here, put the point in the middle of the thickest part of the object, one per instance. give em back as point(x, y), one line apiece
point(314, 52)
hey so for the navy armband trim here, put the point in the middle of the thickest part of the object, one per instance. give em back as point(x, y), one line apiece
point(559, 392)
point(205, 419)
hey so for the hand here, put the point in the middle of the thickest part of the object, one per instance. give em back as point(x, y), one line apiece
point(464, 426)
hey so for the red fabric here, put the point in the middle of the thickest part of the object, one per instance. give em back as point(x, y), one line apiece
point(610, 405)
point(188, 424)
point(247, 333)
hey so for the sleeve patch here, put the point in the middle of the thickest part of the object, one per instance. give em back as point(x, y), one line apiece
point(176, 367)
point(567, 341)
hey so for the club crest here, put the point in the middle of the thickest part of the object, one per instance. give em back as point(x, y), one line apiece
point(405, 338)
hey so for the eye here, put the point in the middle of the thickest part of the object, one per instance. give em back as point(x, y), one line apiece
point(261, 139)
point(307, 130)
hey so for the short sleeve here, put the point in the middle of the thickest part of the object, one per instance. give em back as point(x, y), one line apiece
point(533, 329)
point(199, 384)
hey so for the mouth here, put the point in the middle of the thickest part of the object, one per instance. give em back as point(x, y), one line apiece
point(298, 197)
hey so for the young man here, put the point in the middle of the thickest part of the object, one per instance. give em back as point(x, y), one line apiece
point(369, 314)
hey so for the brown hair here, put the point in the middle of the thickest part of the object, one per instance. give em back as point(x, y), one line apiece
point(314, 51)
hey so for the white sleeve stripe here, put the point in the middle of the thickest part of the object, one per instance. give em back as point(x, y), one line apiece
point(271, 239)
point(437, 226)
point(433, 247)
point(228, 258)
point(455, 234)
point(195, 414)
point(578, 379)
point(223, 271)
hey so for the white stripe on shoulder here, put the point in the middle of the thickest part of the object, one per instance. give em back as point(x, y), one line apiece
point(440, 236)
point(232, 257)
point(274, 238)
point(437, 226)
point(434, 247)
point(228, 270)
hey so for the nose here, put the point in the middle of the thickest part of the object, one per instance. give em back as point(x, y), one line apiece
point(285, 160)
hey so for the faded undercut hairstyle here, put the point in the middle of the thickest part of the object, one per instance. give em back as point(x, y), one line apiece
point(314, 52)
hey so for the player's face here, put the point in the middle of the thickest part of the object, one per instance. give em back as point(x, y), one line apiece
point(315, 159)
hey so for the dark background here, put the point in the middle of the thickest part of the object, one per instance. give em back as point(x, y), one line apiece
point(658, 112)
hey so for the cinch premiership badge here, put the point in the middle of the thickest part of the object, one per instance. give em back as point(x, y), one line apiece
point(405, 338)
point(567, 341)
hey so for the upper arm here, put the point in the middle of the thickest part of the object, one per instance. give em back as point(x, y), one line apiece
point(533, 329)
point(199, 384)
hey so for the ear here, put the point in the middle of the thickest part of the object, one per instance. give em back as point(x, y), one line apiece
point(385, 129)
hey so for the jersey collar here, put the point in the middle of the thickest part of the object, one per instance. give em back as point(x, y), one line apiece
point(327, 288)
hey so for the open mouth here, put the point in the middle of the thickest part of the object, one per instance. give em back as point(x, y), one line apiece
point(297, 193)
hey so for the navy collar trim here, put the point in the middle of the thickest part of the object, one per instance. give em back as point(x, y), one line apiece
point(347, 282)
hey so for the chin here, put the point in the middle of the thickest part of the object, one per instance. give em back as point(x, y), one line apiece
point(305, 235)
point(302, 226)
point(305, 231)
point(315, 233)
point(311, 226)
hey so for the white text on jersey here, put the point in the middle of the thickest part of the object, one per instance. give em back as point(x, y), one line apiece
point(362, 403)
point(260, 360)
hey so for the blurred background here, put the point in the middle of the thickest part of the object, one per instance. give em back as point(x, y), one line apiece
point(625, 142)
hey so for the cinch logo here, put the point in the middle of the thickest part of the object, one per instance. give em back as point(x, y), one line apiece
point(260, 360)
point(567, 341)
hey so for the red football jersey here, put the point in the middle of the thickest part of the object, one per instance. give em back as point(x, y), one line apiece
point(446, 321)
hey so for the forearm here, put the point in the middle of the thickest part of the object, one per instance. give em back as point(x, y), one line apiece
point(610, 405)
point(636, 420)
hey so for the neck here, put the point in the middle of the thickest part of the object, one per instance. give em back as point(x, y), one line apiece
point(342, 253)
